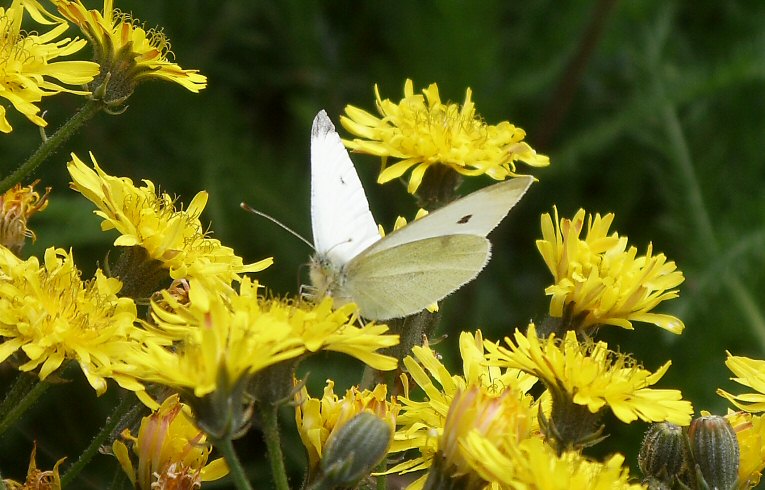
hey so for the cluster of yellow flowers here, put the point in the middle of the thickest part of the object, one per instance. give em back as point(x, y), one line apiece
point(520, 413)
point(213, 352)
point(211, 328)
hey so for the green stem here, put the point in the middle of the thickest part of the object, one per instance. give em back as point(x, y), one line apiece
point(382, 480)
point(21, 386)
point(22, 405)
point(270, 426)
point(51, 144)
point(369, 378)
point(682, 158)
point(694, 197)
point(106, 431)
point(226, 447)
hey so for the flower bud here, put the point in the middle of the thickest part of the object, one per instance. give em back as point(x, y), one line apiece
point(715, 451)
point(355, 449)
point(664, 455)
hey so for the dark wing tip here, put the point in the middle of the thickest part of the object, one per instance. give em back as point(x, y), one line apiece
point(322, 125)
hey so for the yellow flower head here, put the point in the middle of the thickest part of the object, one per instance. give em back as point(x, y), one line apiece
point(320, 328)
point(421, 131)
point(532, 464)
point(318, 419)
point(149, 220)
point(49, 314)
point(219, 338)
point(422, 422)
point(750, 433)
point(171, 451)
point(750, 373)
point(593, 376)
point(36, 478)
point(502, 420)
point(27, 66)
point(127, 52)
point(212, 343)
point(598, 281)
point(17, 205)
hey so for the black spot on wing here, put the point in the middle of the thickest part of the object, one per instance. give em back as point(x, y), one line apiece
point(464, 219)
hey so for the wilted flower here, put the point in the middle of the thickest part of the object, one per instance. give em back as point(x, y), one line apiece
point(17, 205)
point(171, 452)
point(37, 479)
point(127, 52)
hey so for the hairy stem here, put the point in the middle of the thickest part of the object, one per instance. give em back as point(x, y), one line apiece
point(270, 426)
point(107, 430)
point(226, 447)
point(21, 386)
point(22, 405)
point(51, 144)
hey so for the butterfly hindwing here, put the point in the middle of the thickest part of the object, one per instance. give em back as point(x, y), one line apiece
point(407, 278)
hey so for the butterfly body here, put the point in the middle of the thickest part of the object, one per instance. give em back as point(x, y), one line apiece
point(409, 269)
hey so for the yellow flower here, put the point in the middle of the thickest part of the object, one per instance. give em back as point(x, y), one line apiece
point(225, 337)
point(49, 314)
point(128, 53)
point(17, 205)
point(750, 433)
point(148, 220)
point(318, 419)
point(501, 421)
point(320, 328)
point(532, 464)
point(27, 66)
point(422, 423)
point(591, 375)
point(751, 373)
point(212, 343)
point(37, 479)
point(598, 281)
point(421, 131)
point(172, 453)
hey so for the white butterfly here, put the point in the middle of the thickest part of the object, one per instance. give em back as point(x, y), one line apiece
point(412, 267)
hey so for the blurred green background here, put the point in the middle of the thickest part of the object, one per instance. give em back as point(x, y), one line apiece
point(651, 109)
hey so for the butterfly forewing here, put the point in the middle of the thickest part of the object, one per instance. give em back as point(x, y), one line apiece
point(402, 280)
point(475, 214)
point(342, 224)
point(409, 269)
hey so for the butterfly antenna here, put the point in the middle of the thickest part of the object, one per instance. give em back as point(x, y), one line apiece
point(275, 221)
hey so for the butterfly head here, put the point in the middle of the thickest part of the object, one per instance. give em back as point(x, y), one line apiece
point(327, 279)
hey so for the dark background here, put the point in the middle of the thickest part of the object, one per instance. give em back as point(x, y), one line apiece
point(652, 110)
